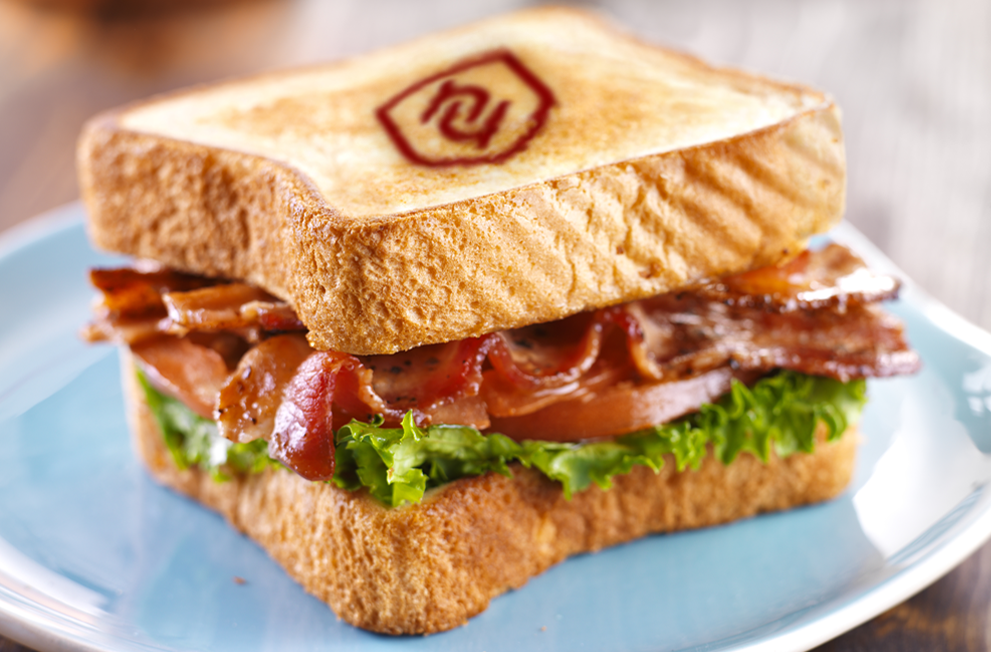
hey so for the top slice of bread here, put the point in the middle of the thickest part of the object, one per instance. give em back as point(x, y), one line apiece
point(392, 205)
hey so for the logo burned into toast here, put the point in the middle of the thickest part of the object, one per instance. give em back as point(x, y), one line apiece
point(482, 110)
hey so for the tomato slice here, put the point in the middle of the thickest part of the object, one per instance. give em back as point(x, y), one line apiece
point(618, 410)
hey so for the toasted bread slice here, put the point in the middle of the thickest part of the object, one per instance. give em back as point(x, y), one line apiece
point(511, 172)
point(429, 567)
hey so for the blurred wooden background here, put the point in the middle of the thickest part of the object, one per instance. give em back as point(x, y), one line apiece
point(913, 78)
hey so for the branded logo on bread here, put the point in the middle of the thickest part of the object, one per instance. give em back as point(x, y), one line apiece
point(481, 110)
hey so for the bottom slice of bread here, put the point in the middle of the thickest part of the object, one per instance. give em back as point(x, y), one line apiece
point(429, 567)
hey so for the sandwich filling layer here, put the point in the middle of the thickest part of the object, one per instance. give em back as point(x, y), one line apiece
point(237, 358)
point(784, 412)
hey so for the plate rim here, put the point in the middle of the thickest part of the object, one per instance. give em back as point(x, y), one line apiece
point(40, 227)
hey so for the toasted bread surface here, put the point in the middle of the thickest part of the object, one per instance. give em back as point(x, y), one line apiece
point(371, 196)
point(429, 567)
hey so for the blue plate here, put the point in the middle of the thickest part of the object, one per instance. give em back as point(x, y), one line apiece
point(95, 556)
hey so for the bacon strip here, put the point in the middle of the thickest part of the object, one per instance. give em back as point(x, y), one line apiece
point(229, 307)
point(247, 402)
point(272, 316)
point(597, 374)
point(189, 372)
point(303, 438)
point(832, 277)
point(504, 398)
point(428, 377)
point(686, 335)
point(548, 356)
point(130, 308)
point(138, 305)
point(131, 293)
point(210, 309)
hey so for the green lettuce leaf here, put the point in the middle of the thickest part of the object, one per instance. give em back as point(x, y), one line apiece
point(398, 465)
point(195, 441)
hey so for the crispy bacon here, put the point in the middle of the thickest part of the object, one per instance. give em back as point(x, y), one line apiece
point(120, 330)
point(247, 403)
point(429, 376)
point(505, 398)
point(131, 293)
point(832, 277)
point(686, 335)
point(597, 374)
point(231, 307)
point(272, 316)
point(187, 371)
point(138, 305)
point(303, 438)
point(548, 356)
point(130, 308)
point(213, 308)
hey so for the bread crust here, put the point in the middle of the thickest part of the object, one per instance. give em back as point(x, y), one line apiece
point(535, 252)
point(429, 567)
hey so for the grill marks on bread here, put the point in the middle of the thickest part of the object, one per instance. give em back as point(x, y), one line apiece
point(692, 172)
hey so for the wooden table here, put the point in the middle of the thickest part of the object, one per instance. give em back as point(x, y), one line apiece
point(913, 78)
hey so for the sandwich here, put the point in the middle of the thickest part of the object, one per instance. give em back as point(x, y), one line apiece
point(426, 322)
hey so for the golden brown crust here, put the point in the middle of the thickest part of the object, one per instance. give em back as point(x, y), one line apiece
point(429, 567)
point(571, 227)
